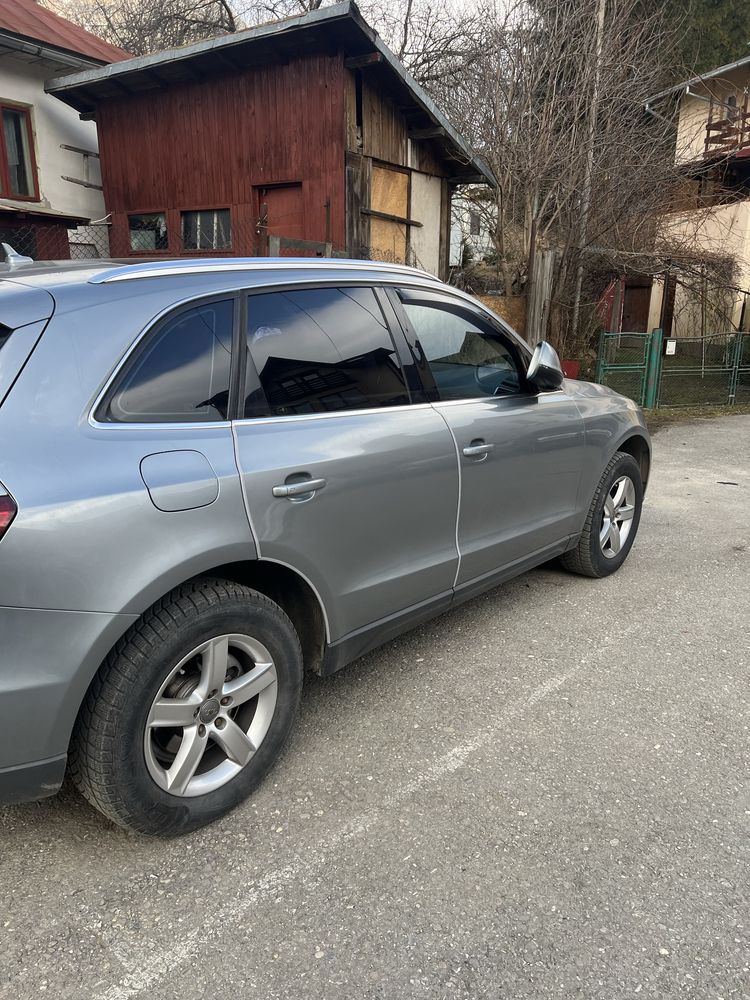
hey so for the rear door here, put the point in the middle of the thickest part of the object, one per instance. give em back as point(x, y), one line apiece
point(520, 452)
point(345, 479)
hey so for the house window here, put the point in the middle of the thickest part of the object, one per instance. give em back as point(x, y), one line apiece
point(17, 178)
point(474, 224)
point(148, 232)
point(209, 229)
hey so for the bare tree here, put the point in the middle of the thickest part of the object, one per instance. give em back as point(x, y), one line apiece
point(555, 100)
point(142, 26)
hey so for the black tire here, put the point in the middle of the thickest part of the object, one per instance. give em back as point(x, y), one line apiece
point(587, 558)
point(107, 759)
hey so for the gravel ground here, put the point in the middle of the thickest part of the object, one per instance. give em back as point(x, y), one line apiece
point(540, 794)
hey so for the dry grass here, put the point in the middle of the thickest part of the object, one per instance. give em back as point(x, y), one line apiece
point(666, 416)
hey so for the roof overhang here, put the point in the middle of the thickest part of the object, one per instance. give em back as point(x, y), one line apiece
point(337, 28)
point(57, 59)
point(26, 210)
point(701, 79)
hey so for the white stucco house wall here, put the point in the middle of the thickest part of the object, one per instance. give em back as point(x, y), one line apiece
point(471, 218)
point(712, 152)
point(50, 182)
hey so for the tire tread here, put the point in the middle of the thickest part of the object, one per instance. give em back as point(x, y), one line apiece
point(93, 747)
point(578, 560)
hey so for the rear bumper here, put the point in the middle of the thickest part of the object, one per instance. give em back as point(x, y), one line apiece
point(27, 782)
point(47, 661)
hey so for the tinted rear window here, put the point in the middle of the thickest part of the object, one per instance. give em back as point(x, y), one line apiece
point(181, 372)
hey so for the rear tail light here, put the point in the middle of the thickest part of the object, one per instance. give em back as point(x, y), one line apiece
point(8, 511)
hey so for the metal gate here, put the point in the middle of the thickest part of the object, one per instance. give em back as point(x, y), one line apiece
point(692, 371)
point(629, 363)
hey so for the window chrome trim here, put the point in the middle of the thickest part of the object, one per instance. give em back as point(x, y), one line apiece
point(243, 292)
point(367, 411)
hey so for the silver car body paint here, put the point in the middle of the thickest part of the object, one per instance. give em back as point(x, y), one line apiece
point(111, 517)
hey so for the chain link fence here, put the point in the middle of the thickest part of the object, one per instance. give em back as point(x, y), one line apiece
point(53, 240)
point(684, 371)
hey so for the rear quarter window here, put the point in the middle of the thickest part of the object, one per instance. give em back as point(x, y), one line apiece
point(15, 349)
point(180, 373)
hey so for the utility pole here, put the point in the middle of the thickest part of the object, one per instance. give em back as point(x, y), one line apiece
point(588, 175)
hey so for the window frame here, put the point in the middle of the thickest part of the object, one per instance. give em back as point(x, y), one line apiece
point(98, 415)
point(204, 251)
point(146, 252)
point(25, 111)
point(440, 299)
point(248, 369)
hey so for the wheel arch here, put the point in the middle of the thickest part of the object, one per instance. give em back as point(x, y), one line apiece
point(282, 584)
point(638, 447)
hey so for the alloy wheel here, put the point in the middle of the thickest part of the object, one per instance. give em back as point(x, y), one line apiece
point(617, 517)
point(210, 715)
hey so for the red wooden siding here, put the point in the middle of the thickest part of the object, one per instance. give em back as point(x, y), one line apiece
point(231, 142)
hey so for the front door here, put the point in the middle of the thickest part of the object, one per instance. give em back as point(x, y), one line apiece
point(345, 480)
point(520, 452)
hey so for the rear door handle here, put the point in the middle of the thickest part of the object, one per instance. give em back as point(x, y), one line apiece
point(477, 448)
point(299, 489)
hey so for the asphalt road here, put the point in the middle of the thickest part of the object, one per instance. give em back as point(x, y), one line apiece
point(541, 794)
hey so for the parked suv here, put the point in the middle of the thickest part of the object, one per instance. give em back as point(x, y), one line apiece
point(215, 474)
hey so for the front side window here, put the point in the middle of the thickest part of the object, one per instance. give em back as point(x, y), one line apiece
point(320, 350)
point(466, 359)
point(18, 179)
point(148, 232)
point(209, 229)
point(182, 372)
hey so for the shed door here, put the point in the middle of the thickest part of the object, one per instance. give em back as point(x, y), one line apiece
point(281, 212)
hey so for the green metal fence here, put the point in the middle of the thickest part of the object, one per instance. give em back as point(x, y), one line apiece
point(629, 363)
point(687, 371)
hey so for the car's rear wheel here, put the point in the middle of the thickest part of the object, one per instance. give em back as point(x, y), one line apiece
point(190, 710)
point(612, 521)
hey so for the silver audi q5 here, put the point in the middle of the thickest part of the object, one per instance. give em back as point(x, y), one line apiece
point(217, 474)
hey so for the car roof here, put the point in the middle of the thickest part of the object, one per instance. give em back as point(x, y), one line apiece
point(254, 270)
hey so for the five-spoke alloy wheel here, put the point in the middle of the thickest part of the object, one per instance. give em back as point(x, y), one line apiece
point(211, 715)
point(190, 710)
point(612, 520)
point(617, 516)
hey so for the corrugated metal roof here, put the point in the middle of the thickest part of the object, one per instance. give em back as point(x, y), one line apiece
point(27, 19)
point(340, 24)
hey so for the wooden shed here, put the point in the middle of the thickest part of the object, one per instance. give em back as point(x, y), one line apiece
point(308, 130)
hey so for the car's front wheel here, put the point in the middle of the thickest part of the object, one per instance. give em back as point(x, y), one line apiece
point(190, 710)
point(612, 521)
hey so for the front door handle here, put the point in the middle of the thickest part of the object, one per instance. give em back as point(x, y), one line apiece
point(477, 448)
point(299, 489)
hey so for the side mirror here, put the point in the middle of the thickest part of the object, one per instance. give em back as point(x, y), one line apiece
point(545, 371)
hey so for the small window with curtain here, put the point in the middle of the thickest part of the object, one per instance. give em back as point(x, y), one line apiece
point(148, 232)
point(475, 226)
point(207, 229)
point(17, 175)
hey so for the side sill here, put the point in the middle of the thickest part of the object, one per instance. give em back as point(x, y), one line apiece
point(472, 588)
point(356, 644)
point(29, 782)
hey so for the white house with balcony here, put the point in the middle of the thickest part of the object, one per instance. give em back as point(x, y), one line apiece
point(712, 212)
point(50, 182)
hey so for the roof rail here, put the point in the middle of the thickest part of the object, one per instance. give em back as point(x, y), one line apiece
point(168, 268)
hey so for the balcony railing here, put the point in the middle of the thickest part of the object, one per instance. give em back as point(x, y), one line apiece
point(727, 131)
